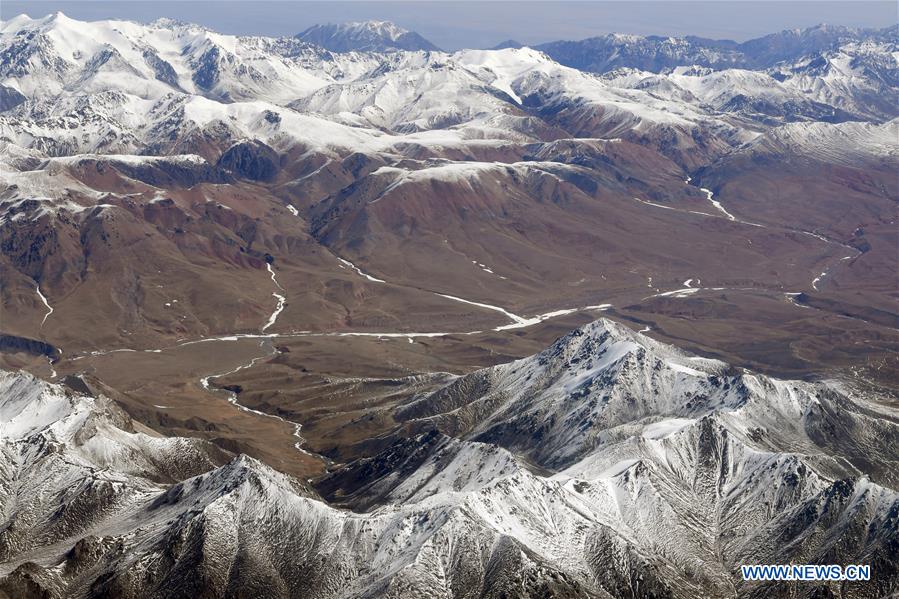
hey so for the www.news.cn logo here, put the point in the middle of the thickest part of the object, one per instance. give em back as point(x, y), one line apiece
point(806, 572)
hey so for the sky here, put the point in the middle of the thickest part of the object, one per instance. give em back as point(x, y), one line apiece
point(475, 24)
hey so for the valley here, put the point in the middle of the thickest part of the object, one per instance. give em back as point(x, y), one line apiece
point(346, 315)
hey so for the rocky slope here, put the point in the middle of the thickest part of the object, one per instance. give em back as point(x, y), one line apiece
point(207, 152)
point(225, 230)
point(608, 465)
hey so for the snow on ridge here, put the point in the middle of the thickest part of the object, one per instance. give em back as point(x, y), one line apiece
point(249, 118)
point(663, 428)
point(87, 430)
point(462, 171)
point(831, 141)
point(450, 172)
point(28, 405)
point(198, 61)
point(382, 28)
point(466, 495)
point(33, 194)
point(264, 77)
point(193, 159)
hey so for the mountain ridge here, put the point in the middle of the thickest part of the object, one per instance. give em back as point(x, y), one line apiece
point(290, 321)
point(365, 36)
point(657, 54)
point(436, 519)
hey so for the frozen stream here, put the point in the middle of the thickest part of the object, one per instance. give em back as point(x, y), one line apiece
point(282, 300)
point(37, 288)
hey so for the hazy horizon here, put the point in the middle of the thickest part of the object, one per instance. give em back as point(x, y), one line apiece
point(469, 24)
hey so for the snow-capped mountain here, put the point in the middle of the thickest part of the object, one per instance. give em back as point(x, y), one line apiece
point(167, 191)
point(56, 55)
point(604, 382)
point(849, 143)
point(792, 44)
point(736, 91)
point(608, 465)
point(658, 54)
point(134, 88)
point(860, 77)
point(104, 120)
point(648, 53)
point(365, 36)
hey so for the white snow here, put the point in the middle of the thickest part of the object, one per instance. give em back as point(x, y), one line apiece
point(683, 369)
point(278, 309)
point(517, 320)
point(716, 203)
point(666, 427)
point(360, 271)
point(678, 293)
point(281, 299)
point(818, 279)
point(617, 409)
point(37, 288)
point(351, 101)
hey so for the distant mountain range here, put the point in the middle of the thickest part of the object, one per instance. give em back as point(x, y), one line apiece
point(608, 52)
point(652, 53)
point(365, 36)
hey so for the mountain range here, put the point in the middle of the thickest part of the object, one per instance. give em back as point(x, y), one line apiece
point(345, 315)
point(656, 53)
point(608, 465)
point(608, 52)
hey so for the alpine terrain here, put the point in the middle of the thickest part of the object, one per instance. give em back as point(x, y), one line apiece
point(344, 315)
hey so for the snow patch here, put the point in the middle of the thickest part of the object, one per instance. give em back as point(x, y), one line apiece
point(360, 271)
point(665, 428)
point(37, 288)
point(716, 203)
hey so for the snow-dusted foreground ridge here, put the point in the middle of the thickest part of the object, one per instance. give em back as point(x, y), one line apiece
point(609, 465)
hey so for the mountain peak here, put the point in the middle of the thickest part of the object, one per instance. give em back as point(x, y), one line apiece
point(56, 17)
point(24, 20)
point(386, 29)
point(365, 36)
point(510, 43)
